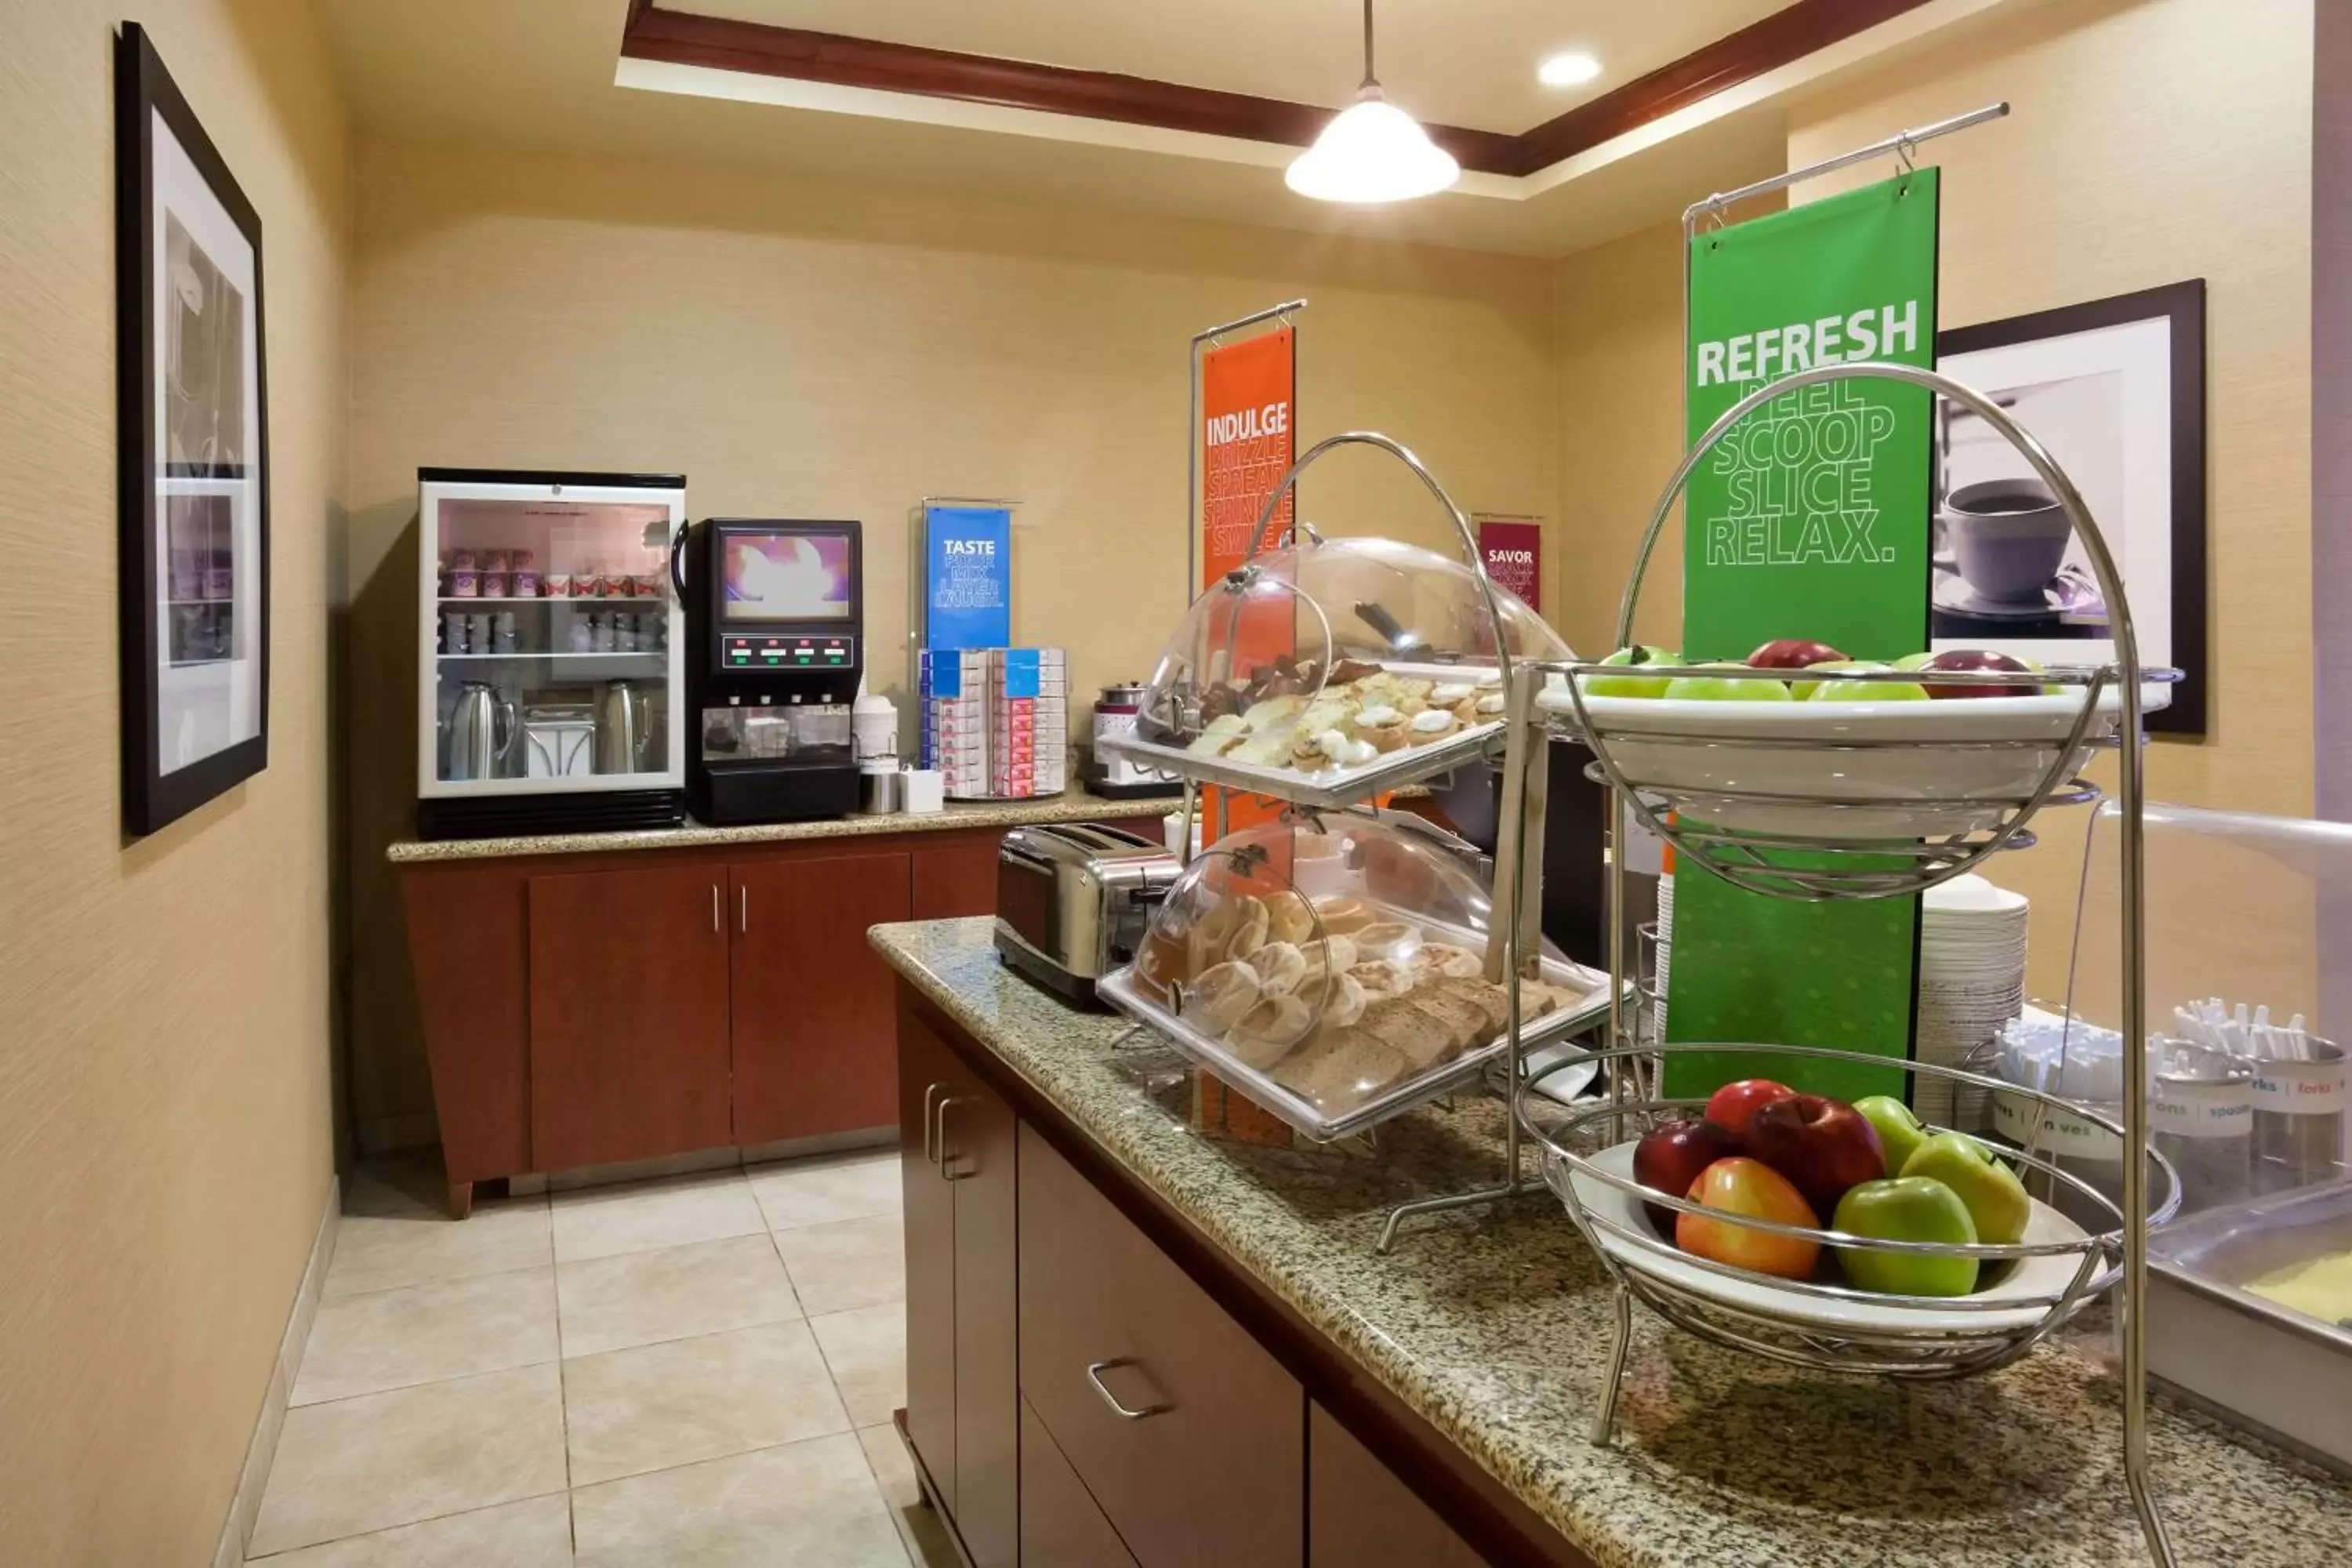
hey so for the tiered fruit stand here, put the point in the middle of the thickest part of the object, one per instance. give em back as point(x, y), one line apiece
point(1774, 801)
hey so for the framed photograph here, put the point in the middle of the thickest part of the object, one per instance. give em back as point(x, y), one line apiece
point(194, 471)
point(2115, 390)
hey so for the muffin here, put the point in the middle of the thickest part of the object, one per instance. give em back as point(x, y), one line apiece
point(1218, 997)
point(1279, 967)
point(1266, 1034)
point(1342, 916)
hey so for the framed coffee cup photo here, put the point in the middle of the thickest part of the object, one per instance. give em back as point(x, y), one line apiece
point(2115, 390)
point(193, 461)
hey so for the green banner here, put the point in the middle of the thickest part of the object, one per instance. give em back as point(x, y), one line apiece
point(1808, 520)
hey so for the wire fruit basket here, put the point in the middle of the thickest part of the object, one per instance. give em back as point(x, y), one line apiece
point(1875, 799)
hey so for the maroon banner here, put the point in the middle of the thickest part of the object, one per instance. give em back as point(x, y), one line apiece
point(1512, 548)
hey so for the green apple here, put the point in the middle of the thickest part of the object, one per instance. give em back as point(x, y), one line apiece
point(1995, 1197)
point(1899, 1132)
point(1865, 690)
point(1632, 684)
point(1906, 1208)
point(1914, 661)
point(1720, 688)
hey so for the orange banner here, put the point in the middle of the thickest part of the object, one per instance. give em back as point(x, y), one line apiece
point(1247, 396)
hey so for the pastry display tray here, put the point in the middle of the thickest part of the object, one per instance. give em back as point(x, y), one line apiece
point(1333, 789)
point(1120, 989)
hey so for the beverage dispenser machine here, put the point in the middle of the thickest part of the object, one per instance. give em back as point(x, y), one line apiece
point(776, 645)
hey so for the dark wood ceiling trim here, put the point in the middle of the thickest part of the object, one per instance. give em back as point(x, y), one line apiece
point(1784, 36)
point(681, 37)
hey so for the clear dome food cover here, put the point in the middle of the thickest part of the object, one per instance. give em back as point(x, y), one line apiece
point(1278, 663)
point(1338, 959)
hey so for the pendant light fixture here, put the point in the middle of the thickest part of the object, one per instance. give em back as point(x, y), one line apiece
point(1372, 152)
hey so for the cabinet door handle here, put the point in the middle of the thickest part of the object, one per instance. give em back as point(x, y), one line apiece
point(1094, 1375)
point(743, 910)
point(930, 1143)
point(946, 1173)
point(715, 927)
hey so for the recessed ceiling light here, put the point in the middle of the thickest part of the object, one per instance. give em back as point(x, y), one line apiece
point(1568, 70)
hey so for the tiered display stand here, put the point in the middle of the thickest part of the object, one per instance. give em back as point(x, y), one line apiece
point(1815, 852)
point(1355, 789)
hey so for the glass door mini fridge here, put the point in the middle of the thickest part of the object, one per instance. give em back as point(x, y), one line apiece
point(551, 676)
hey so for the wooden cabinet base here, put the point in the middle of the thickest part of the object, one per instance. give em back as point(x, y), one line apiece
point(928, 1487)
point(609, 1007)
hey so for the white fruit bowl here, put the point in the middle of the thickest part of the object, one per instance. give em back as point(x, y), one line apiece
point(2033, 1284)
point(1844, 770)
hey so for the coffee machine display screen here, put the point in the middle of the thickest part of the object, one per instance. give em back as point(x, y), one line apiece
point(795, 576)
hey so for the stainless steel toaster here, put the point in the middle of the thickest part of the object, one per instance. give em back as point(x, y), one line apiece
point(1073, 901)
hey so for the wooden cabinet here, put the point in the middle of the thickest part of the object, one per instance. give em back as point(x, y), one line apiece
point(1359, 1513)
point(952, 879)
point(1060, 1525)
point(1186, 1433)
point(928, 1071)
point(810, 1000)
point(958, 1159)
point(628, 1022)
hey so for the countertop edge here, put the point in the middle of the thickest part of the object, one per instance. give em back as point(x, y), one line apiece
point(1069, 807)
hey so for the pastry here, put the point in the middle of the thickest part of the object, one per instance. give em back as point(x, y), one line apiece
point(1349, 671)
point(1446, 693)
point(1444, 959)
point(1342, 916)
point(1331, 955)
point(1490, 706)
point(1265, 1035)
point(1357, 754)
point(1341, 1067)
point(1249, 927)
point(1326, 712)
point(1388, 938)
point(1306, 753)
point(1289, 917)
point(1422, 1037)
point(1221, 736)
point(1272, 712)
point(1432, 725)
point(1280, 967)
point(1382, 725)
point(1412, 688)
point(1489, 999)
point(1265, 747)
point(1219, 997)
point(1383, 978)
point(1491, 678)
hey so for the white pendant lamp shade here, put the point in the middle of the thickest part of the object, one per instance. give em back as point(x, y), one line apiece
point(1374, 151)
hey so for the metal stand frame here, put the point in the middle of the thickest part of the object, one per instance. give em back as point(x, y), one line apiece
point(1707, 848)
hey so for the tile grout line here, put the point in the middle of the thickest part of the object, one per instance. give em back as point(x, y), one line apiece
point(405, 1524)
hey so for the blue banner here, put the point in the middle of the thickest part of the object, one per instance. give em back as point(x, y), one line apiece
point(967, 576)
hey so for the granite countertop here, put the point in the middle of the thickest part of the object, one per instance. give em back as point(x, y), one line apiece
point(1493, 1325)
point(1071, 806)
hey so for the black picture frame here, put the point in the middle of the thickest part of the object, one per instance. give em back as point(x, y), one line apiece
point(155, 793)
point(2182, 306)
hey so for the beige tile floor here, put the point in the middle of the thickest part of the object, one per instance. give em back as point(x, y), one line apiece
point(672, 1374)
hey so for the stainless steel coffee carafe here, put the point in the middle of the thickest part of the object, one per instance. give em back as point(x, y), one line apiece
point(623, 728)
point(481, 730)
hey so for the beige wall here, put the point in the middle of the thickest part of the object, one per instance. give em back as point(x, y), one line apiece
point(814, 350)
point(165, 1107)
point(2149, 142)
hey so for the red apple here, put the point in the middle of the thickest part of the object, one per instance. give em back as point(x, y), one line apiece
point(1823, 1145)
point(1671, 1156)
point(1749, 1187)
point(1985, 659)
point(1791, 653)
point(1730, 1106)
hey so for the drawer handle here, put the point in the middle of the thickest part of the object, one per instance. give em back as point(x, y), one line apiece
point(930, 1144)
point(1094, 1375)
point(947, 1174)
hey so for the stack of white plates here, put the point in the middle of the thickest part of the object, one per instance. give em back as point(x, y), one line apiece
point(1971, 981)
